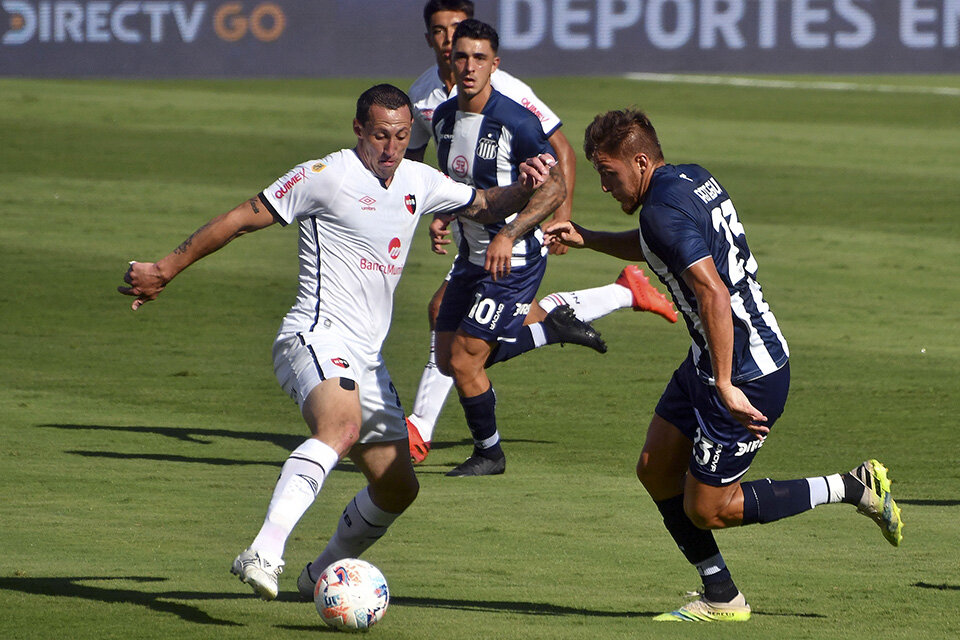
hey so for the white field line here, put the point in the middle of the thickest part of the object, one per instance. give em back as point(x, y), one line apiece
point(790, 84)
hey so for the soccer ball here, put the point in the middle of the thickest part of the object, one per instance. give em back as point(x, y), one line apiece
point(351, 594)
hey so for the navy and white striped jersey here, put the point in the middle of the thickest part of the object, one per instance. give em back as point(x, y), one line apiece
point(485, 150)
point(428, 92)
point(688, 217)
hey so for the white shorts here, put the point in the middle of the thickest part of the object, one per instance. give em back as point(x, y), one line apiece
point(303, 361)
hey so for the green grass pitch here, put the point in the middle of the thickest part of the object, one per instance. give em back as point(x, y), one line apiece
point(139, 449)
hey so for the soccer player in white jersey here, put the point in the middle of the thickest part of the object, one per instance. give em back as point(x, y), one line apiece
point(722, 401)
point(631, 289)
point(356, 211)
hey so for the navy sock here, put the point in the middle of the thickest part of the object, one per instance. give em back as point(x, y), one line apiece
point(700, 549)
point(769, 500)
point(481, 415)
point(506, 350)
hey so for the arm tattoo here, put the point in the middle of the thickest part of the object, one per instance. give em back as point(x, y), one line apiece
point(253, 205)
point(186, 243)
point(494, 204)
point(541, 205)
point(498, 203)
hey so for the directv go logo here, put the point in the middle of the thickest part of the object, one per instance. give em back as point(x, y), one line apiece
point(135, 22)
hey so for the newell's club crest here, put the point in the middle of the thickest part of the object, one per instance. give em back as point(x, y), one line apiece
point(394, 248)
point(487, 148)
point(410, 201)
point(340, 362)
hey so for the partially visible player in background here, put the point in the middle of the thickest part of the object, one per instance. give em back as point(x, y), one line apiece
point(631, 289)
point(724, 398)
point(356, 211)
point(480, 134)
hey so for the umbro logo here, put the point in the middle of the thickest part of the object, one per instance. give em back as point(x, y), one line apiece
point(368, 203)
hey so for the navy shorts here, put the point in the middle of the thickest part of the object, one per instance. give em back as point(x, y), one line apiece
point(485, 308)
point(722, 448)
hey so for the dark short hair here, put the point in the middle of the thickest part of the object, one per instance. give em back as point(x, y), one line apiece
point(622, 133)
point(476, 30)
point(383, 95)
point(435, 6)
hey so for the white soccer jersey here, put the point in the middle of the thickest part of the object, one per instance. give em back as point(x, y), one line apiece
point(354, 239)
point(428, 92)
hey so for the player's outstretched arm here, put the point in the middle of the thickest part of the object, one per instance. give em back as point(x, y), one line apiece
point(147, 279)
point(619, 244)
point(567, 159)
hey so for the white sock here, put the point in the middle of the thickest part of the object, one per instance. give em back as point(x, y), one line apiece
point(826, 489)
point(590, 304)
point(297, 487)
point(361, 524)
point(431, 395)
point(538, 334)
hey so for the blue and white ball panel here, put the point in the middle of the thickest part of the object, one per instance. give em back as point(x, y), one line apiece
point(723, 449)
point(488, 309)
point(302, 361)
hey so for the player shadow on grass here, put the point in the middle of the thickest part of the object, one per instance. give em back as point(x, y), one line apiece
point(937, 587)
point(194, 436)
point(528, 608)
point(206, 436)
point(929, 503)
point(71, 587)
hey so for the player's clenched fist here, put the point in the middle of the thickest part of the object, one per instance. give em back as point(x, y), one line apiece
point(145, 280)
point(535, 171)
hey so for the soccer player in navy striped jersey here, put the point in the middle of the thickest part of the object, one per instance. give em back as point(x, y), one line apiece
point(724, 398)
point(480, 133)
point(631, 289)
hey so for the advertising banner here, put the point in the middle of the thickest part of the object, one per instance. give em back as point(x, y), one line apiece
point(385, 38)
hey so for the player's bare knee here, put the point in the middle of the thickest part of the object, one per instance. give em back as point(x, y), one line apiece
point(654, 480)
point(705, 516)
point(395, 494)
point(643, 470)
point(345, 434)
point(408, 492)
point(462, 367)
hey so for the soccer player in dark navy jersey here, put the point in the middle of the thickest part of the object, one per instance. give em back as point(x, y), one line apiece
point(722, 401)
point(480, 136)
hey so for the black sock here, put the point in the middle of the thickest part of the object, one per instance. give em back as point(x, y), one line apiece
point(699, 548)
point(852, 489)
point(480, 412)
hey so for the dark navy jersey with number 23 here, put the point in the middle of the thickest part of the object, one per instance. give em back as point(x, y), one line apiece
point(686, 217)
